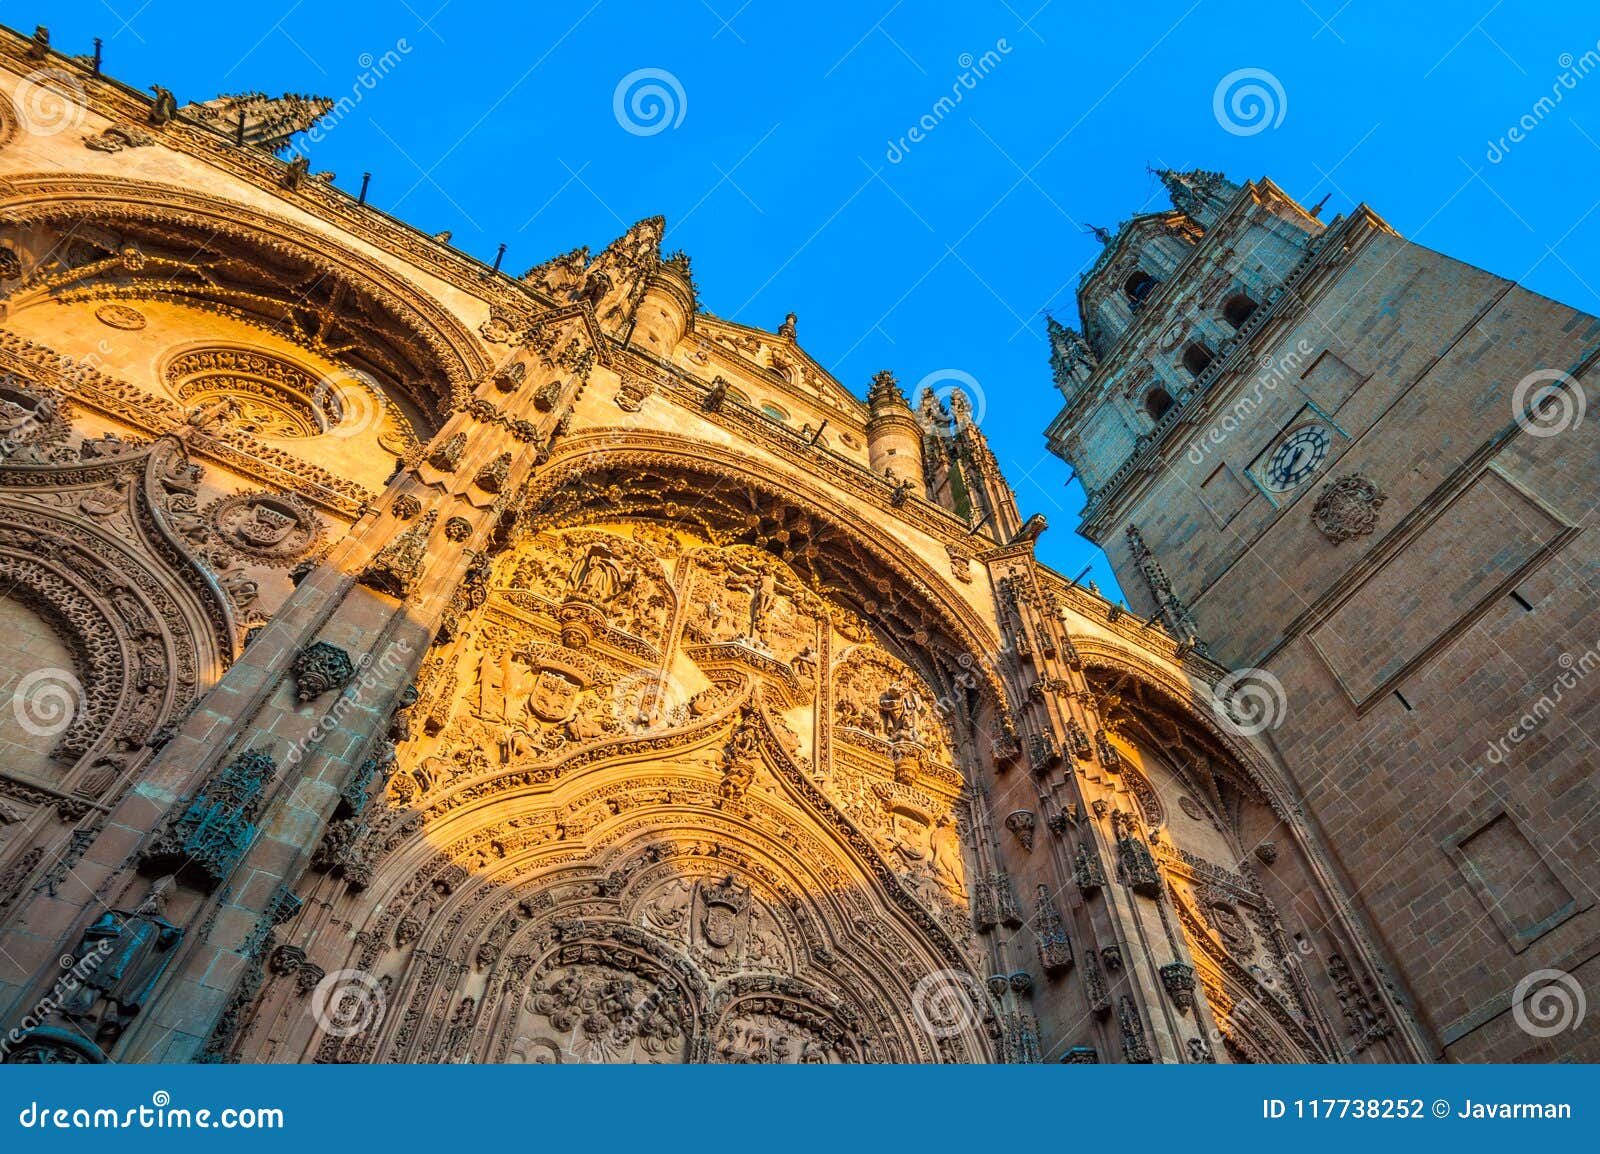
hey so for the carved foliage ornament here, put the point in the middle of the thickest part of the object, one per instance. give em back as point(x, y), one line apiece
point(319, 668)
point(1347, 508)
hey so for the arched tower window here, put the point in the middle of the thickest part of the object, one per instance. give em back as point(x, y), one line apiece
point(1157, 403)
point(1196, 358)
point(1237, 309)
point(1138, 288)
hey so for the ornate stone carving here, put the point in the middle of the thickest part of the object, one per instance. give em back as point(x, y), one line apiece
point(1094, 985)
point(1136, 867)
point(1366, 1017)
point(1135, 1048)
point(1347, 508)
point(396, 567)
point(207, 835)
point(130, 950)
point(321, 667)
point(1087, 873)
point(120, 317)
point(1178, 979)
point(1109, 757)
point(267, 527)
point(492, 477)
point(1021, 823)
point(446, 457)
point(1050, 935)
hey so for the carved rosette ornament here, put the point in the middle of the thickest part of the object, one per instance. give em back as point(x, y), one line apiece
point(1347, 508)
point(319, 668)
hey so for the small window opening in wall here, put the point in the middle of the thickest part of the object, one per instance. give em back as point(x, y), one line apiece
point(1157, 402)
point(1195, 358)
point(1237, 309)
point(1401, 698)
point(1139, 286)
point(1521, 600)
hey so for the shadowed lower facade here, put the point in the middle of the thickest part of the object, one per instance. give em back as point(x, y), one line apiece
point(409, 662)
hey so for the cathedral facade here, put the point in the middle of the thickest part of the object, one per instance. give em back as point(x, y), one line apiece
point(410, 662)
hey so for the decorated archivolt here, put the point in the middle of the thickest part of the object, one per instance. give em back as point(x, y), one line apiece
point(637, 822)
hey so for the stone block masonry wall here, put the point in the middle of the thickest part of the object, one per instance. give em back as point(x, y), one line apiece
point(1408, 655)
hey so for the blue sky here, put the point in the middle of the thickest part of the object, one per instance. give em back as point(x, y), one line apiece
point(498, 123)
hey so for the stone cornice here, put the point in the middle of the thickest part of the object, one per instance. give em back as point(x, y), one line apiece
point(257, 167)
point(860, 481)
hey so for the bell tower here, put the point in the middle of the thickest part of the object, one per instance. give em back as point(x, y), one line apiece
point(1356, 471)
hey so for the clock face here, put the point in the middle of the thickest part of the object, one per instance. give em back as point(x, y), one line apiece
point(1299, 455)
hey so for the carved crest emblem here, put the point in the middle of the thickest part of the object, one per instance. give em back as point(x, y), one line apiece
point(1347, 508)
point(722, 908)
point(554, 695)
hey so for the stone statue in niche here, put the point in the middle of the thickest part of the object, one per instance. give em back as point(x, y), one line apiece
point(132, 951)
point(901, 709)
point(766, 591)
point(598, 577)
point(948, 868)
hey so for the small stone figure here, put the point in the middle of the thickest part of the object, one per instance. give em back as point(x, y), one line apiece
point(134, 949)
